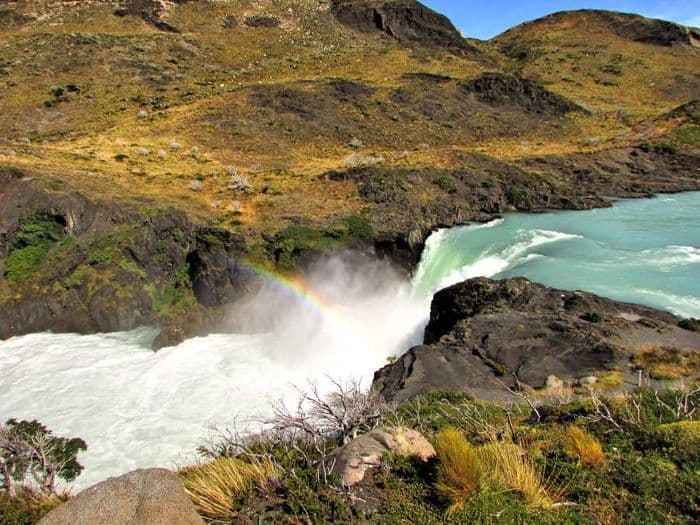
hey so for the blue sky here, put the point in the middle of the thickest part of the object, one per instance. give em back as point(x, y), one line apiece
point(487, 18)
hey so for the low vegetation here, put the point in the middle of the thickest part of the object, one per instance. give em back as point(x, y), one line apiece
point(632, 458)
point(666, 363)
point(215, 487)
point(585, 447)
point(590, 459)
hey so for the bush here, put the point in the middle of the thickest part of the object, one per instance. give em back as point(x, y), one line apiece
point(27, 508)
point(33, 241)
point(445, 183)
point(593, 317)
point(691, 324)
point(666, 363)
point(585, 447)
point(32, 457)
point(459, 471)
point(215, 487)
point(357, 227)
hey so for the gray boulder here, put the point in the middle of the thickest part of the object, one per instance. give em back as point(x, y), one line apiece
point(142, 497)
point(354, 460)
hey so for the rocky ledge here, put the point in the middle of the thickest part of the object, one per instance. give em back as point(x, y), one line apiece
point(490, 338)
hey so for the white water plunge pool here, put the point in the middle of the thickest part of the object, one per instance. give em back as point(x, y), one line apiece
point(136, 408)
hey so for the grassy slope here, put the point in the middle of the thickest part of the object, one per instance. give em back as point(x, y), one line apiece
point(199, 89)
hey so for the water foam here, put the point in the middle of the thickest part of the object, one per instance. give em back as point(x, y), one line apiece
point(489, 265)
point(136, 408)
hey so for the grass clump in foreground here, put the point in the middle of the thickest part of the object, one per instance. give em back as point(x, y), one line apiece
point(633, 458)
point(459, 472)
point(215, 487)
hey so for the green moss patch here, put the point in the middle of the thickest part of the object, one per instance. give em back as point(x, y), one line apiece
point(35, 238)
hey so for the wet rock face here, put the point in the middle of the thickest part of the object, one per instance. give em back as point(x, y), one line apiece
point(504, 90)
point(217, 276)
point(484, 335)
point(405, 20)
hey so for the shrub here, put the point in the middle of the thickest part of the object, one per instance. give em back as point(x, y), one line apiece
point(33, 241)
point(507, 464)
point(459, 471)
point(691, 324)
point(610, 379)
point(663, 149)
point(689, 135)
point(445, 183)
point(215, 487)
point(27, 508)
point(238, 183)
point(357, 160)
point(593, 317)
point(585, 447)
point(357, 227)
point(31, 456)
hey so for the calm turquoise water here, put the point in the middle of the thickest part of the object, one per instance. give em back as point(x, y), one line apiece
point(643, 251)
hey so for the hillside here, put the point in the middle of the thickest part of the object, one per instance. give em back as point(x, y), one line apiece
point(143, 144)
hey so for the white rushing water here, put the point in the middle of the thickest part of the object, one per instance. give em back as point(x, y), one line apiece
point(137, 408)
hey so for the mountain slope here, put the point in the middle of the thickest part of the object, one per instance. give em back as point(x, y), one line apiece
point(280, 129)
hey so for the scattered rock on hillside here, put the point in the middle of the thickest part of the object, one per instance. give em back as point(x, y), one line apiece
point(151, 496)
point(261, 21)
point(405, 20)
point(354, 460)
point(149, 10)
point(484, 335)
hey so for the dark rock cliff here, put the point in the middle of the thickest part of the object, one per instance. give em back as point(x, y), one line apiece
point(107, 266)
point(484, 336)
point(405, 20)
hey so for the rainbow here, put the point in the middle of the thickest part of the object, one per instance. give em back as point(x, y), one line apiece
point(298, 288)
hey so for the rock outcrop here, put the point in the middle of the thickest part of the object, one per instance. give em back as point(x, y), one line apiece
point(484, 336)
point(102, 267)
point(151, 496)
point(354, 460)
point(505, 90)
point(404, 20)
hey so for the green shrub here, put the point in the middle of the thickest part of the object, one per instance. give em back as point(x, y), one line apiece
point(691, 324)
point(445, 183)
point(34, 239)
point(593, 317)
point(358, 227)
point(689, 135)
point(27, 508)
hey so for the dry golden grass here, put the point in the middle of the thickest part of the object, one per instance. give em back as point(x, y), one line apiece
point(585, 447)
point(460, 471)
point(508, 465)
point(214, 487)
point(666, 363)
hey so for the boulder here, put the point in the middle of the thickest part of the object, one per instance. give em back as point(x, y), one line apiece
point(554, 383)
point(354, 460)
point(142, 497)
